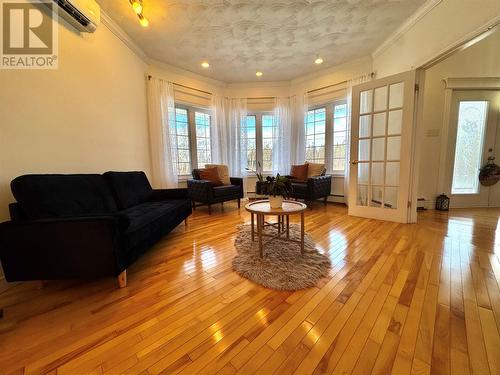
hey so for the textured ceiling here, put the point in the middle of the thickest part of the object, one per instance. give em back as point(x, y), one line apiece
point(279, 37)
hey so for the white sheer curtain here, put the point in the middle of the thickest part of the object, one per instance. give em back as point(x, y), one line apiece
point(220, 127)
point(237, 138)
point(350, 84)
point(299, 105)
point(162, 132)
point(282, 136)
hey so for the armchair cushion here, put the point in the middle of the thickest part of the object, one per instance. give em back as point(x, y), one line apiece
point(130, 188)
point(299, 172)
point(315, 169)
point(210, 174)
point(223, 171)
point(226, 190)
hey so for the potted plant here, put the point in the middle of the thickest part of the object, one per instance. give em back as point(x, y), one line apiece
point(275, 187)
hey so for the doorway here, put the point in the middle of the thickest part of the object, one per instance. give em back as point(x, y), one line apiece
point(473, 139)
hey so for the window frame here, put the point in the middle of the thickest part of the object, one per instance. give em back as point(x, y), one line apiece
point(193, 149)
point(339, 172)
point(259, 140)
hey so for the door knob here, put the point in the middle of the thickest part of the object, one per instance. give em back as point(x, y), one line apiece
point(354, 162)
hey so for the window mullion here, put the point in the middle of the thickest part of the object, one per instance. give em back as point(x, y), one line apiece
point(192, 138)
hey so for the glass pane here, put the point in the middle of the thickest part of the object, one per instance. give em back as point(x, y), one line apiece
point(376, 199)
point(364, 150)
point(391, 197)
point(319, 140)
point(365, 101)
point(338, 138)
point(392, 173)
point(380, 100)
point(340, 124)
point(377, 174)
point(396, 93)
point(340, 110)
point(362, 199)
point(339, 151)
point(395, 122)
point(393, 148)
point(469, 145)
point(379, 124)
point(363, 173)
point(378, 152)
point(338, 164)
point(365, 126)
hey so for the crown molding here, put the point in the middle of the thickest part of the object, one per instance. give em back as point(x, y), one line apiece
point(421, 12)
point(123, 36)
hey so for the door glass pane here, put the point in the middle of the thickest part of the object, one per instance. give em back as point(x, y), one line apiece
point(391, 197)
point(378, 149)
point(396, 93)
point(380, 100)
point(362, 199)
point(392, 173)
point(395, 122)
point(365, 101)
point(364, 150)
point(469, 146)
point(379, 124)
point(376, 199)
point(363, 173)
point(377, 173)
point(393, 148)
point(365, 126)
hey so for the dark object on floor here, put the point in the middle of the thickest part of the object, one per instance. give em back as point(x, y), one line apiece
point(442, 203)
point(205, 193)
point(85, 226)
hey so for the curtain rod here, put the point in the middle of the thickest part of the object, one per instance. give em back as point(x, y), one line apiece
point(186, 87)
point(372, 74)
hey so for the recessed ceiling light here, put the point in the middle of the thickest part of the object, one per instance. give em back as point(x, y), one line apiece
point(318, 61)
point(143, 20)
point(259, 74)
point(205, 64)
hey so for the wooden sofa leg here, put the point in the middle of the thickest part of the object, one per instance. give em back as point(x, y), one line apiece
point(325, 200)
point(186, 222)
point(122, 279)
point(239, 203)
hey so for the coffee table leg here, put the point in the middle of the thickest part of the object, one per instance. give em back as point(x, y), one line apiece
point(287, 227)
point(253, 229)
point(260, 221)
point(302, 233)
point(279, 223)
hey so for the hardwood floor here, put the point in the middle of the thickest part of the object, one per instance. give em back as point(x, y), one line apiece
point(422, 298)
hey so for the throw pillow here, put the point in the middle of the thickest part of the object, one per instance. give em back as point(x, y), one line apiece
point(315, 169)
point(299, 172)
point(210, 174)
point(223, 172)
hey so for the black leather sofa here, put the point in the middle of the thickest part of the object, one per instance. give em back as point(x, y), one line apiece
point(85, 226)
point(318, 187)
point(205, 193)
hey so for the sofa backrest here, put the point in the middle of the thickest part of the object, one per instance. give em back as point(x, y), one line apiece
point(42, 196)
point(129, 188)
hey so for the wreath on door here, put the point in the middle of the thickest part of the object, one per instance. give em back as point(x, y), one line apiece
point(489, 174)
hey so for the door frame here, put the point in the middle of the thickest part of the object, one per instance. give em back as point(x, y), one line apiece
point(408, 163)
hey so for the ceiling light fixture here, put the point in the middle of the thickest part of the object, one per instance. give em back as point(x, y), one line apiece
point(138, 7)
point(205, 64)
point(259, 74)
point(318, 60)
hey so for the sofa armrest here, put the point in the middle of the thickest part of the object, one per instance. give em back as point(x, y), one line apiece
point(320, 186)
point(165, 194)
point(66, 248)
point(200, 190)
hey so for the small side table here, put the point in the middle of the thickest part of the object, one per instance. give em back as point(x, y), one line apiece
point(261, 208)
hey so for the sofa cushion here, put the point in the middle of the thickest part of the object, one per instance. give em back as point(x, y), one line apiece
point(57, 195)
point(147, 212)
point(226, 190)
point(129, 188)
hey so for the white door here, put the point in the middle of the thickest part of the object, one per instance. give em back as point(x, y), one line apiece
point(473, 138)
point(381, 147)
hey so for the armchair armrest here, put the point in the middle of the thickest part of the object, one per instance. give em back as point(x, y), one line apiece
point(238, 181)
point(200, 190)
point(319, 186)
point(63, 248)
point(165, 194)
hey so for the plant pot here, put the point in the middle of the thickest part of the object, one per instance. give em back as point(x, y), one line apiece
point(276, 202)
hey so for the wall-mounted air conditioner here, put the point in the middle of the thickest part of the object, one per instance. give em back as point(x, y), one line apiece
point(84, 15)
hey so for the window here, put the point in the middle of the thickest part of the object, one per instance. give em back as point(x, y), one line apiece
point(339, 136)
point(203, 145)
point(182, 140)
point(257, 141)
point(469, 146)
point(315, 135)
point(193, 137)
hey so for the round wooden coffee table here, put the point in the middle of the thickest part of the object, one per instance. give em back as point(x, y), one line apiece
point(262, 208)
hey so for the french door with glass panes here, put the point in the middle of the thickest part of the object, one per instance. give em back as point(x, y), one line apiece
point(381, 148)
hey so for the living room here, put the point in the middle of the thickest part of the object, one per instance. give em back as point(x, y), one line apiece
point(144, 224)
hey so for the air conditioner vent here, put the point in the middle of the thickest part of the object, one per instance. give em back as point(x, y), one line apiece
point(80, 18)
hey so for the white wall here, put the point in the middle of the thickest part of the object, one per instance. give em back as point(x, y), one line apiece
point(87, 116)
point(480, 60)
point(449, 22)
